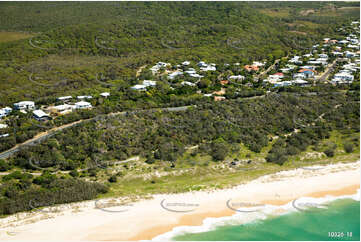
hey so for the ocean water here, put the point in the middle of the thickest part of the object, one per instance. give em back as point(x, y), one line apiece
point(337, 218)
point(340, 216)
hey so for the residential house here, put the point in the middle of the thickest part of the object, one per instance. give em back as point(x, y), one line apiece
point(62, 109)
point(3, 126)
point(139, 87)
point(307, 72)
point(196, 75)
point(186, 63)
point(65, 98)
point(84, 97)
point(219, 98)
point(149, 83)
point(24, 105)
point(5, 111)
point(349, 54)
point(282, 84)
point(105, 94)
point(299, 76)
point(188, 83)
point(238, 78)
point(224, 82)
point(40, 115)
point(300, 82)
point(251, 68)
point(344, 76)
point(174, 74)
point(83, 105)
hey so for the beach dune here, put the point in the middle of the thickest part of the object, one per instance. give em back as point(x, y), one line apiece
point(147, 219)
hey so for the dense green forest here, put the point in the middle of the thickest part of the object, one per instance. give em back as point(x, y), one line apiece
point(296, 119)
point(72, 41)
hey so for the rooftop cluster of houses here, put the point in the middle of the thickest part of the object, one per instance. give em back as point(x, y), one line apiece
point(303, 69)
point(144, 85)
point(40, 115)
point(346, 48)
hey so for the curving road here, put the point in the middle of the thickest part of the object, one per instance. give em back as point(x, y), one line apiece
point(47, 134)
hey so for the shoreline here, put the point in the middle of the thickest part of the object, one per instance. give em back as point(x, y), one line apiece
point(147, 219)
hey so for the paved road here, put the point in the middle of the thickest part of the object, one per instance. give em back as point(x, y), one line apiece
point(45, 135)
point(327, 72)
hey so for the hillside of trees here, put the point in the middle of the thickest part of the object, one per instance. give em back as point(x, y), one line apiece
point(73, 41)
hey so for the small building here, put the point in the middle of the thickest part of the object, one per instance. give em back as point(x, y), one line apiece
point(196, 75)
point(300, 82)
point(282, 84)
point(40, 115)
point(344, 76)
point(3, 126)
point(105, 94)
point(251, 68)
point(149, 83)
point(173, 75)
point(224, 82)
point(83, 105)
point(186, 63)
point(299, 76)
point(62, 109)
point(65, 98)
point(188, 83)
point(307, 72)
point(219, 98)
point(84, 97)
point(24, 105)
point(239, 78)
point(139, 87)
point(5, 111)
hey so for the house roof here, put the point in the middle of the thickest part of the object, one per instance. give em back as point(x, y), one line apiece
point(40, 113)
point(305, 70)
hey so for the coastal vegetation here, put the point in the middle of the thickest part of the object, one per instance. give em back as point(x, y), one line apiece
point(131, 143)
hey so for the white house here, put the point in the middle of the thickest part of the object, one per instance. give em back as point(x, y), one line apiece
point(65, 98)
point(82, 105)
point(299, 82)
point(344, 76)
point(196, 75)
point(3, 126)
point(149, 83)
point(186, 63)
point(24, 105)
point(105, 94)
point(63, 109)
point(139, 87)
point(40, 115)
point(175, 74)
point(299, 76)
point(208, 67)
point(239, 77)
point(188, 83)
point(349, 54)
point(84, 97)
point(5, 111)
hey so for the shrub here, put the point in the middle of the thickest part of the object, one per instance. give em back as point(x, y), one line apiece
point(112, 179)
point(348, 147)
point(329, 152)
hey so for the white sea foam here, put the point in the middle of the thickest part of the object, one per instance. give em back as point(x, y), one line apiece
point(238, 218)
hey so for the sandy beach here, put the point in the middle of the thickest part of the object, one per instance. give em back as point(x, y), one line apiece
point(147, 219)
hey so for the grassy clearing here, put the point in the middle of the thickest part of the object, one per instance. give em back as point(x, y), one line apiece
point(194, 173)
point(12, 36)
